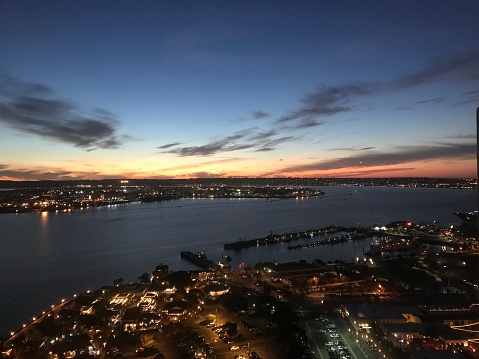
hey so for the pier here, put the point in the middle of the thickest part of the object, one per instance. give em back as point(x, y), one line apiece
point(199, 259)
point(353, 233)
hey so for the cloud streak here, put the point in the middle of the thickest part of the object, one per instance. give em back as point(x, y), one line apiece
point(403, 155)
point(32, 108)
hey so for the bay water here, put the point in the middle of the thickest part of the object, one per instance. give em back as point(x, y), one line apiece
point(45, 257)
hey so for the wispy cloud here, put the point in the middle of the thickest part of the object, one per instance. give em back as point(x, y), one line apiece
point(168, 145)
point(265, 149)
point(325, 101)
point(271, 144)
point(315, 108)
point(263, 135)
point(412, 106)
point(258, 115)
point(351, 149)
point(243, 140)
point(461, 137)
point(33, 108)
point(470, 97)
point(226, 144)
point(462, 67)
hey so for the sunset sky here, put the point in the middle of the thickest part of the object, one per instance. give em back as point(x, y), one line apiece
point(180, 89)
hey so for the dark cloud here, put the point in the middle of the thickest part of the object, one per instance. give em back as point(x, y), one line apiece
point(306, 123)
point(400, 156)
point(276, 141)
point(459, 67)
point(243, 140)
point(31, 108)
point(315, 107)
point(471, 97)
point(340, 149)
point(433, 101)
point(351, 149)
point(475, 93)
point(461, 137)
point(226, 144)
point(169, 145)
point(265, 149)
point(325, 101)
point(39, 175)
point(262, 135)
point(412, 106)
point(258, 115)
point(330, 100)
point(11, 87)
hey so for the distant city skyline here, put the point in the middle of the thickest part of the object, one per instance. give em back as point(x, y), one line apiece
point(167, 89)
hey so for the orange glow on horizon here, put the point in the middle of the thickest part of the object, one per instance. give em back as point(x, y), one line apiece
point(433, 169)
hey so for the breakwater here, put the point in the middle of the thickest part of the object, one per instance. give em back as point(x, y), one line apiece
point(352, 233)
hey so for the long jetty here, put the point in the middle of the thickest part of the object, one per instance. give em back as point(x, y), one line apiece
point(354, 232)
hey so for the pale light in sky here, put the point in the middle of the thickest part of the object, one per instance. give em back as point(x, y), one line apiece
point(168, 89)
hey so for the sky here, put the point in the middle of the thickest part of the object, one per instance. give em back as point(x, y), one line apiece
point(264, 88)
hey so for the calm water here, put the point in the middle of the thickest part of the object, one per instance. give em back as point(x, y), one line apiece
point(48, 256)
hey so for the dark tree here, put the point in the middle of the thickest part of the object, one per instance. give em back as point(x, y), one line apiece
point(144, 278)
point(118, 282)
point(234, 302)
